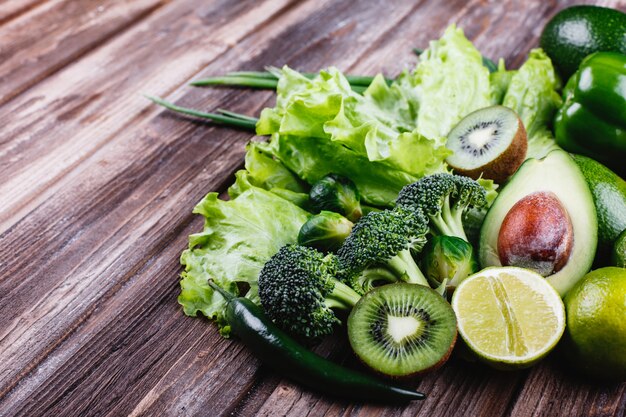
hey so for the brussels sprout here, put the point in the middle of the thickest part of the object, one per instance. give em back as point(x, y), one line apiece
point(338, 194)
point(325, 231)
point(448, 258)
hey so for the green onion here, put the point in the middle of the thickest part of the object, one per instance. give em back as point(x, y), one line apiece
point(224, 117)
point(269, 80)
point(240, 81)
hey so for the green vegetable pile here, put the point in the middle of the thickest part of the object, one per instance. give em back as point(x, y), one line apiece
point(352, 191)
point(382, 140)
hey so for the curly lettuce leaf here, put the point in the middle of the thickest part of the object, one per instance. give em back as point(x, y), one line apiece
point(264, 171)
point(239, 236)
point(500, 80)
point(450, 82)
point(377, 126)
point(312, 159)
point(532, 95)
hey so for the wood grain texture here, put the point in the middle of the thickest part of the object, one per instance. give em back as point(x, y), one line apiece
point(50, 36)
point(97, 188)
point(50, 132)
point(81, 234)
point(10, 9)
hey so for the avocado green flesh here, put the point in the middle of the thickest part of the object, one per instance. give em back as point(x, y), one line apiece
point(578, 31)
point(559, 174)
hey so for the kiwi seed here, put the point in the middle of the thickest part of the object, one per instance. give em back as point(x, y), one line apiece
point(490, 142)
point(401, 330)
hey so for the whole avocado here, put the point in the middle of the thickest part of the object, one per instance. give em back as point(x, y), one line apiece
point(619, 251)
point(578, 31)
point(609, 196)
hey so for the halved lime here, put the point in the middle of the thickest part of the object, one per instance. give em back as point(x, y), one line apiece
point(510, 317)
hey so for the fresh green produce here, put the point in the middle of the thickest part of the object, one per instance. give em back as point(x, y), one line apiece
point(232, 120)
point(449, 82)
point(400, 128)
point(609, 196)
point(384, 136)
point(531, 93)
point(379, 249)
point(263, 171)
point(596, 329)
point(487, 63)
point(490, 143)
point(279, 351)
point(332, 129)
point(509, 317)
point(298, 289)
point(239, 236)
point(378, 184)
point(592, 121)
point(448, 260)
point(393, 134)
point(338, 194)
point(543, 219)
point(402, 330)
point(269, 79)
point(325, 231)
point(474, 217)
point(444, 198)
point(578, 31)
point(619, 251)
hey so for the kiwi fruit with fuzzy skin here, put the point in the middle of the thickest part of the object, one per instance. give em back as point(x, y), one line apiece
point(490, 142)
point(402, 330)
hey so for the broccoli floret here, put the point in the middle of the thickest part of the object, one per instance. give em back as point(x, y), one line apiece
point(379, 249)
point(444, 198)
point(298, 288)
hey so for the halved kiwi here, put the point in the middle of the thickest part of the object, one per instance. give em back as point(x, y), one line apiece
point(401, 330)
point(490, 142)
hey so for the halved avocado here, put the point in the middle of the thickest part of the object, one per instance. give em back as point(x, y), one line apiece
point(554, 196)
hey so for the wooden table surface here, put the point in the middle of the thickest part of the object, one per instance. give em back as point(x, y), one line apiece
point(97, 187)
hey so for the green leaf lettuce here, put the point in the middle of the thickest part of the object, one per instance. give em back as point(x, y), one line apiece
point(239, 236)
point(532, 95)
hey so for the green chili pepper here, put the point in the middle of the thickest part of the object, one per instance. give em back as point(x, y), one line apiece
point(592, 120)
point(278, 350)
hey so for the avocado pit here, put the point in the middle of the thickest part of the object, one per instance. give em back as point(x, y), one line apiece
point(537, 234)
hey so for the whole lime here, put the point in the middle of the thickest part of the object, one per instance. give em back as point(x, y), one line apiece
point(596, 323)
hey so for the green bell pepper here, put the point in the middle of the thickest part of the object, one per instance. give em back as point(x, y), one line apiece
point(592, 120)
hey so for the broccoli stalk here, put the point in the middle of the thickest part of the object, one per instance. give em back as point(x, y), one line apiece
point(403, 263)
point(298, 288)
point(380, 247)
point(444, 198)
point(342, 297)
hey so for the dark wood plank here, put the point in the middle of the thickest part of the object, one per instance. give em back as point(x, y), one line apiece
point(554, 388)
point(10, 9)
point(56, 33)
point(49, 132)
point(74, 246)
